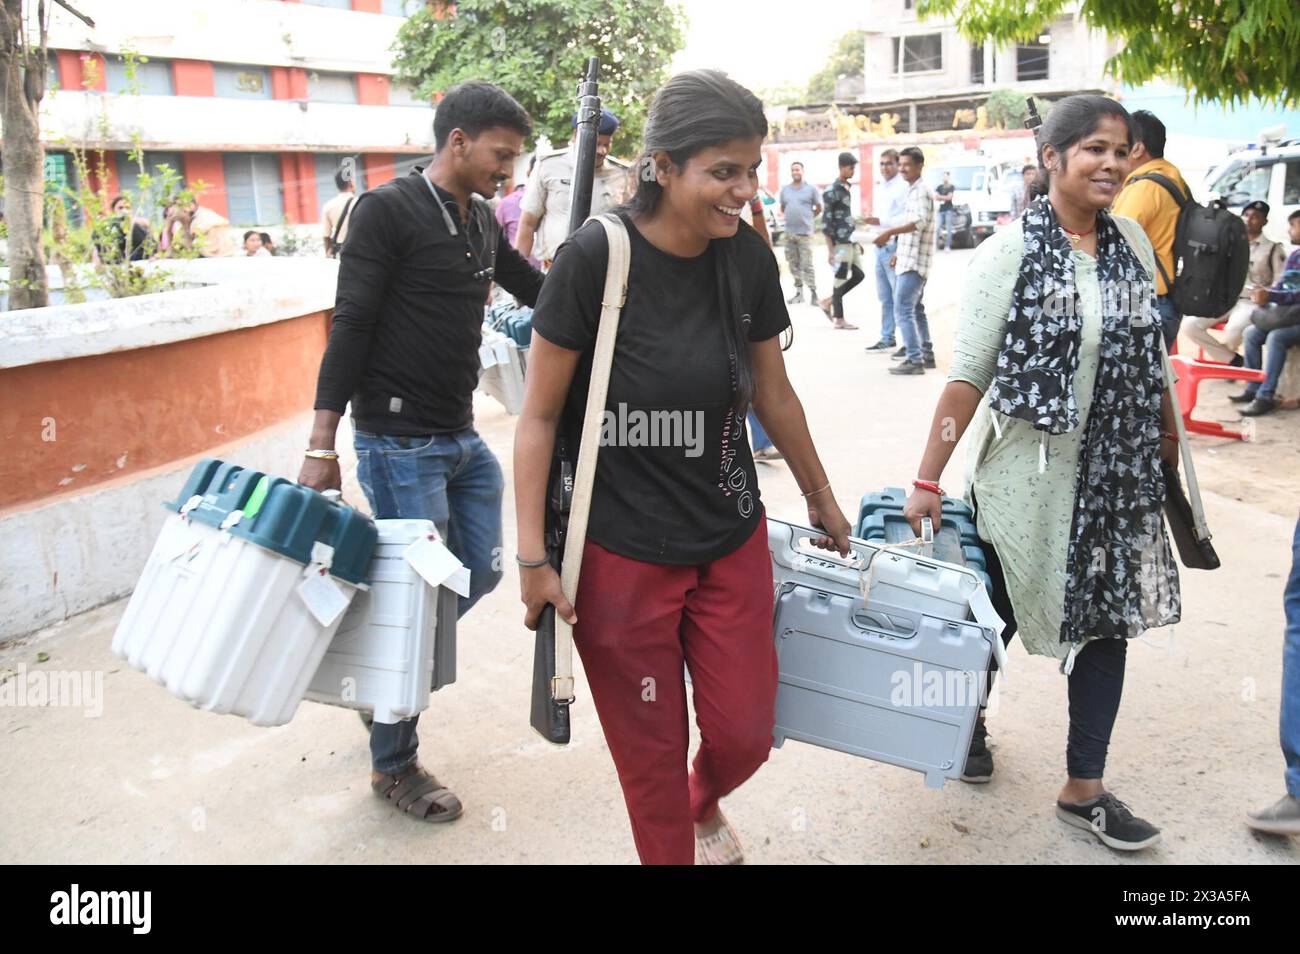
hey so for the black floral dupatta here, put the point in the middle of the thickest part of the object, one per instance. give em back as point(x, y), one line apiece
point(1121, 578)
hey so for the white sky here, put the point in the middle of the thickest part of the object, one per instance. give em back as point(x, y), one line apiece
point(775, 42)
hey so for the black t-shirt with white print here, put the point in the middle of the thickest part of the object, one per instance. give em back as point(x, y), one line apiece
point(675, 480)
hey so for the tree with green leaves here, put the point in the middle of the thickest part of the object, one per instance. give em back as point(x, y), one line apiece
point(537, 51)
point(846, 60)
point(1219, 50)
point(24, 58)
point(1008, 108)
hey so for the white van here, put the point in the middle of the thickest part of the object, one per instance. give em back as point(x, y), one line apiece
point(983, 198)
point(1270, 173)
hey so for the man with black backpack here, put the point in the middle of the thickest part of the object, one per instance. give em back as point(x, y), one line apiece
point(1149, 201)
point(1202, 253)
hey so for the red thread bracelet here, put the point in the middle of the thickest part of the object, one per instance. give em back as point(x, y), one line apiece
point(929, 485)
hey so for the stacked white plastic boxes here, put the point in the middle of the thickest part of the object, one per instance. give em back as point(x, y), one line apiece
point(897, 676)
point(503, 355)
point(398, 639)
point(502, 370)
point(249, 581)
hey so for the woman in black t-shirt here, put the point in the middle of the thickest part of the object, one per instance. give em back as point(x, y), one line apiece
point(675, 569)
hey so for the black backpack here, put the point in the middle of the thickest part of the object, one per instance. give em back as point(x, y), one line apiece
point(1211, 254)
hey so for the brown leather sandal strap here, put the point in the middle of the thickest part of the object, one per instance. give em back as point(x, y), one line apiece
point(406, 795)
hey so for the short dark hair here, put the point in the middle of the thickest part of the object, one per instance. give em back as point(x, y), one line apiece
point(1149, 131)
point(475, 106)
point(343, 177)
point(252, 232)
point(890, 154)
point(914, 153)
point(1028, 167)
point(266, 238)
point(1293, 216)
point(796, 163)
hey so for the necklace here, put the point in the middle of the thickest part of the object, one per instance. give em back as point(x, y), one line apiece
point(1077, 237)
point(485, 273)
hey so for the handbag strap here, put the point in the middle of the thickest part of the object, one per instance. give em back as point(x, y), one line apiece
point(585, 474)
point(343, 220)
point(1201, 528)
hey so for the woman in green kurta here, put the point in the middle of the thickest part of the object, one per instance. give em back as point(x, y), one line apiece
point(1064, 460)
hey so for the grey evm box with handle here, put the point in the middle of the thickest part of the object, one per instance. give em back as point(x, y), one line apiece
point(897, 677)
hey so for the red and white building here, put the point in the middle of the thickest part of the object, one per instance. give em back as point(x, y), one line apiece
point(260, 100)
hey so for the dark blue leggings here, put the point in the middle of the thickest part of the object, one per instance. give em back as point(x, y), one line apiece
point(1096, 683)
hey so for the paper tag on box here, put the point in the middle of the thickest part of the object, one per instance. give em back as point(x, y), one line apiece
point(487, 356)
point(458, 582)
point(430, 558)
point(323, 597)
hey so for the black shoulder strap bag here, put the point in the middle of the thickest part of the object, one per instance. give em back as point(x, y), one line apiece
point(335, 244)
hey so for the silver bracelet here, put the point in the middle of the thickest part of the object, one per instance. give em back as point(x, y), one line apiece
point(531, 564)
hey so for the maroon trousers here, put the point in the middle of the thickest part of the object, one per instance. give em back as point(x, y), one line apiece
point(638, 623)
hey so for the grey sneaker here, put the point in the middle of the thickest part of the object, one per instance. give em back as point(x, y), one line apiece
point(796, 297)
point(1111, 821)
point(1280, 818)
point(768, 453)
point(908, 367)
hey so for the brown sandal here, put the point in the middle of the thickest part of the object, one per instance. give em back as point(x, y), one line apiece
point(417, 793)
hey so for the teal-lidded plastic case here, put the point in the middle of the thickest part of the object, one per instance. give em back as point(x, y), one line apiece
point(281, 516)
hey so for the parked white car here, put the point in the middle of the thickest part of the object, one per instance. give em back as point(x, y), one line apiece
point(1270, 173)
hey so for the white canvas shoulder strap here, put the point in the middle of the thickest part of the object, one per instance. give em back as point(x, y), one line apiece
point(585, 474)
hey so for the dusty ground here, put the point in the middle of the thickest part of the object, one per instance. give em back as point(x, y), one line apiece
point(1196, 743)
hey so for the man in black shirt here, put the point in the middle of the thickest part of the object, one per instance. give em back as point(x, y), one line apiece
point(403, 349)
point(947, 214)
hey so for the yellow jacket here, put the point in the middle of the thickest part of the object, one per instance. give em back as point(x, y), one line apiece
point(1154, 209)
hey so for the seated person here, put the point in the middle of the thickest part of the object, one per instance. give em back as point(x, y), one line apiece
point(254, 246)
point(1276, 327)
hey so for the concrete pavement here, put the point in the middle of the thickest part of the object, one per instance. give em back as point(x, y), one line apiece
point(151, 780)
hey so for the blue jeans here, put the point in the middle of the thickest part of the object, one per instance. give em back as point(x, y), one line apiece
point(946, 220)
point(455, 481)
point(1290, 722)
point(1276, 342)
point(885, 277)
point(757, 436)
point(1170, 320)
point(909, 312)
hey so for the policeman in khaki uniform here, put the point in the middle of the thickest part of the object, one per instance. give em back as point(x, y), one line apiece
point(544, 212)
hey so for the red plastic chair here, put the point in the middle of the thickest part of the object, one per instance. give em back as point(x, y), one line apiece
point(1191, 374)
